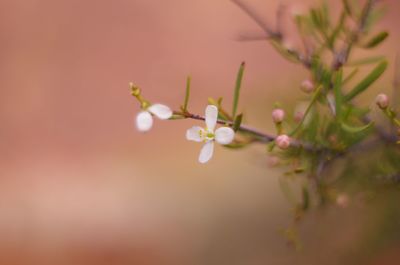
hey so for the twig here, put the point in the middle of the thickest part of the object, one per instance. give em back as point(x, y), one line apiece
point(251, 13)
point(341, 57)
point(261, 136)
point(274, 35)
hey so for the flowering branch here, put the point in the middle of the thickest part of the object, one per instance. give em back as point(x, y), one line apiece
point(328, 131)
point(260, 137)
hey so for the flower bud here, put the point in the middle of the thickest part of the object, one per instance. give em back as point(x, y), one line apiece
point(135, 91)
point(278, 115)
point(307, 86)
point(282, 141)
point(382, 100)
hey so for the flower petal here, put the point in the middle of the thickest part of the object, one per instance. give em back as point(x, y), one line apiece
point(161, 111)
point(144, 121)
point(211, 117)
point(224, 135)
point(206, 152)
point(195, 134)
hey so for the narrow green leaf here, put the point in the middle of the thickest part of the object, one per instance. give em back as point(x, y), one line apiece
point(286, 53)
point(187, 94)
point(347, 7)
point(325, 17)
point(315, 18)
point(237, 122)
point(367, 81)
point(313, 100)
point(356, 129)
point(350, 76)
point(238, 84)
point(337, 90)
point(376, 40)
point(336, 31)
point(236, 145)
point(364, 61)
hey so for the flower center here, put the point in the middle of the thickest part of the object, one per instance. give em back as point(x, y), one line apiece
point(206, 135)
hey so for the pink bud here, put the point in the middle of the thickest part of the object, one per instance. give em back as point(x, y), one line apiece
point(282, 141)
point(307, 86)
point(278, 115)
point(382, 101)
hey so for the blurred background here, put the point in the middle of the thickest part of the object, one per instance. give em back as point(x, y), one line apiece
point(79, 184)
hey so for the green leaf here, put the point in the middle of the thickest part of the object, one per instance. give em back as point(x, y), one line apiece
point(364, 61)
point(236, 145)
point(285, 52)
point(376, 40)
point(313, 100)
point(316, 18)
point(187, 94)
point(337, 90)
point(367, 81)
point(347, 7)
point(356, 129)
point(350, 76)
point(238, 84)
point(237, 122)
point(336, 31)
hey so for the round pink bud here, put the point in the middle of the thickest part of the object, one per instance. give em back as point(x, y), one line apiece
point(382, 100)
point(278, 115)
point(282, 141)
point(307, 86)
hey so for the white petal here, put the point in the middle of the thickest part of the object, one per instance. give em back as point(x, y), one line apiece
point(206, 152)
point(224, 135)
point(211, 117)
point(195, 133)
point(161, 111)
point(144, 121)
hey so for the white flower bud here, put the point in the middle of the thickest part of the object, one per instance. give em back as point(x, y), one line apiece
point(382, 100)
point(307, 86)
point(282, 141)
point(278, 115)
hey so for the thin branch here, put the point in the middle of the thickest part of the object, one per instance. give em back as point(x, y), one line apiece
point(274, 35)
point(252, 14)
point(260, 136)
point(341, 57)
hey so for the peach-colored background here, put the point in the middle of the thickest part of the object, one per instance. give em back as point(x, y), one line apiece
point(79, 185)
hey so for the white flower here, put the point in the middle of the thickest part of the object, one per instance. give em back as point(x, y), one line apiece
point(223, 135)
point(144, 119)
